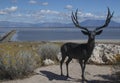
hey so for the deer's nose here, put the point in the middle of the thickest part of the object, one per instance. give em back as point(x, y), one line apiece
point(92, 36)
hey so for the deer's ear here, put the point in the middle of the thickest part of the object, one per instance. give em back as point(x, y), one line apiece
point(84, 32)
point(99, 32)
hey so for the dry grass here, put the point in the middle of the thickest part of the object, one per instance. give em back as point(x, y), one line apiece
point(49, 51)
point(118, 57)
point(18, 59)
point(116, 67)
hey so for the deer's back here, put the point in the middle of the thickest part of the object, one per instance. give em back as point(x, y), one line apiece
point(75, 50)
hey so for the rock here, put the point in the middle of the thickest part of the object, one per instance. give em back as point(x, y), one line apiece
point(48, 62)
point(59, 56)
point(97, 54)
point(105, 54)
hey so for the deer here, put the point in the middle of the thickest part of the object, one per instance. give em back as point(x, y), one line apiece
point(82, 52)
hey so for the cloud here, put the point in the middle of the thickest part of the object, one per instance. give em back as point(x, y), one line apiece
point(44, 15)
point(45, 3)
point(9, 10)
point(69, 7)
point(32, 2)
point(38, 2)
point(47, 15)
point(2, 12)
point(116, 18)
point(88, 15)
point(48, 12)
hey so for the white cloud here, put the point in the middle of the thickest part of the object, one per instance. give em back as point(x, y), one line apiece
point(48, 12)
point(47, 15)
point(84, 16)
point(44, 16)
point(45, 3)
point(69, 7)
point(89, 15)
point(37, 16)
point(32, 2)
point(9, 10)
point(38, 2)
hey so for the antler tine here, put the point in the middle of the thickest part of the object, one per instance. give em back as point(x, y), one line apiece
point(75, 20)
point(108, 18)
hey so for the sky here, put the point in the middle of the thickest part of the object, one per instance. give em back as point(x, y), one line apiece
point(37, 11)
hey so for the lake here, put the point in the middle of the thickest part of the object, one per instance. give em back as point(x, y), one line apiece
point(48, 34)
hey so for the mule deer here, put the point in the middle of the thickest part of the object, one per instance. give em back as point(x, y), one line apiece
point(82, 52)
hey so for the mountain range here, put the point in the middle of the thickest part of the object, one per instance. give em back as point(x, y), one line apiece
point(48, 24)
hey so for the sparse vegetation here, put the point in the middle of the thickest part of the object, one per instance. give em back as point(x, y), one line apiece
point(20, 59)
point(17, 60)
point(15, 66)
point(116, 69)
point(118, 58)
point(49, 51)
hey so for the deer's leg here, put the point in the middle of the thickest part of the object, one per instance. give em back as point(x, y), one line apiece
point(61, 63)
point(83, 71)
point(67, 62)
point(81, 64)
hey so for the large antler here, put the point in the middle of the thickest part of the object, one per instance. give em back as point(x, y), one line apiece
point(108, 18)
point(75, 20)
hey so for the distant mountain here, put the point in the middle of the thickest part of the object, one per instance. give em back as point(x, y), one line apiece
point(51, 25)
point(99, 23)
point(21, 24)
point(14, 24)
point(57, 25)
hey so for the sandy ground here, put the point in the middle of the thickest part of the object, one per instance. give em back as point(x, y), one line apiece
point(51, 74)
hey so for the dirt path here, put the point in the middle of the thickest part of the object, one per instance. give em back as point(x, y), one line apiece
point(51, 74)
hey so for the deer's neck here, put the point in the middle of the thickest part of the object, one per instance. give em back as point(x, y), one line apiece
point(91, 44)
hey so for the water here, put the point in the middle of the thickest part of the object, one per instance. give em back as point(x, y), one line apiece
point(47, 34)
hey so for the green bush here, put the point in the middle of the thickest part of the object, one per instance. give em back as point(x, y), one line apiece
point(49, 51)
point(15, 66)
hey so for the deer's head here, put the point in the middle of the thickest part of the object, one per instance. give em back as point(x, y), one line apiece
point(96, 31)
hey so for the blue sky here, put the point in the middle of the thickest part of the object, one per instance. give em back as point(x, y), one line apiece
point(35, 11)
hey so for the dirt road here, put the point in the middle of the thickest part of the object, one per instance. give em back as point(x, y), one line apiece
point(51, 74)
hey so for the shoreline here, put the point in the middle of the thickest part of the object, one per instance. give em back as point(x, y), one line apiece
point(116, 41)
point(97, 41)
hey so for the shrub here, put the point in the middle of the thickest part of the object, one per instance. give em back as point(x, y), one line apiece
point(117, 58)
point(49, 51)
point(15, 66)
point(116, 72)
point(116, 68)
